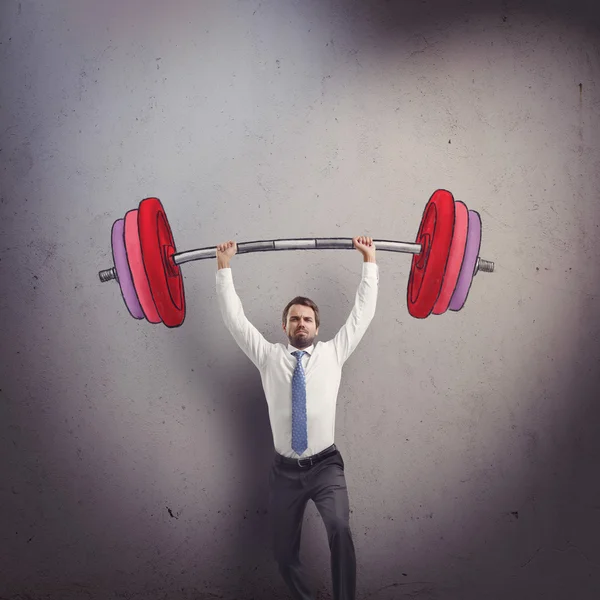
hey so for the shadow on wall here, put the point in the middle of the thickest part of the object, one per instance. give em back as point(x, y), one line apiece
point(393, 17)
point(564, 510)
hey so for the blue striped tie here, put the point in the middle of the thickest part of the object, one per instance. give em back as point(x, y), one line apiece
point(299, 433)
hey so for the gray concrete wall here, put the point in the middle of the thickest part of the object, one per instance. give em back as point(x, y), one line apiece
point(135, 457)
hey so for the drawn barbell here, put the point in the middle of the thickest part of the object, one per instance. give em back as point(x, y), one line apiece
point(445, 259)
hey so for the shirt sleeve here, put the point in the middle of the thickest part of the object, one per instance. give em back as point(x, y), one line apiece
point(247, 337)
point(348, 337)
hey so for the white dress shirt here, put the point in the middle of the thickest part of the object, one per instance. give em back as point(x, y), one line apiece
point(322, 363)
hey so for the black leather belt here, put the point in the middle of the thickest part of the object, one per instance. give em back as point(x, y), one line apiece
point(307, 461)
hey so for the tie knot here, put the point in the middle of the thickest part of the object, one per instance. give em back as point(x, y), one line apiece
point(298, 354)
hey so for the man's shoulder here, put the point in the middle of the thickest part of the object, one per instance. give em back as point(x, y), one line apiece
point(323, 346)
point(277, 348)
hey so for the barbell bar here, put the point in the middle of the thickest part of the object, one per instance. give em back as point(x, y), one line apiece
point(445, 259)
point(181, 258)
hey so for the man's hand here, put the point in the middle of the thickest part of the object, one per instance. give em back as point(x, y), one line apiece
point(366, 247)
point(225, 252)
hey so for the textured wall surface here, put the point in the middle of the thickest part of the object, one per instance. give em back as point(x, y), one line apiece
point(134, 457)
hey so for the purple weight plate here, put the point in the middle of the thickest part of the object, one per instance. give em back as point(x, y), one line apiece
point(467, 271)
point(123, 273)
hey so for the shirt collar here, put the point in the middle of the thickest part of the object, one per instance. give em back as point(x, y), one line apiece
point(308, 350)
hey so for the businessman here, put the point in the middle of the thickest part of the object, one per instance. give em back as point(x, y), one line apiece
point(301, 382)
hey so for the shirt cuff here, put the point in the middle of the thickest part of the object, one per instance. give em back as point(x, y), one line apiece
point(224, 274)
point(370, 269)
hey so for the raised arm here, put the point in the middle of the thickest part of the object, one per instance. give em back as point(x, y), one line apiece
point(247, 337)
point(363, 311)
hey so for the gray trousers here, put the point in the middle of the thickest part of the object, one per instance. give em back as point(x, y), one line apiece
point(290, 488)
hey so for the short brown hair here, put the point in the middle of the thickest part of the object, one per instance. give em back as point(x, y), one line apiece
point(305, 302)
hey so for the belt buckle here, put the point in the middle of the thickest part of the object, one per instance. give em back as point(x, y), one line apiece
point(305, 458)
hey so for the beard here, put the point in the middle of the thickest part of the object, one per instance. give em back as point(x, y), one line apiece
point(301, 341)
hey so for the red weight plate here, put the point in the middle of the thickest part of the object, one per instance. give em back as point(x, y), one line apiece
point(428, 267)
point(166, 281)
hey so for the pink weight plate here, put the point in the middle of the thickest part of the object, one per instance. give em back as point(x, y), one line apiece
point(455, 258)
point(136, 264)
point(467, 270)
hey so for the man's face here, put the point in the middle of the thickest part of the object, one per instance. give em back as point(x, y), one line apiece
point(301, 328)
